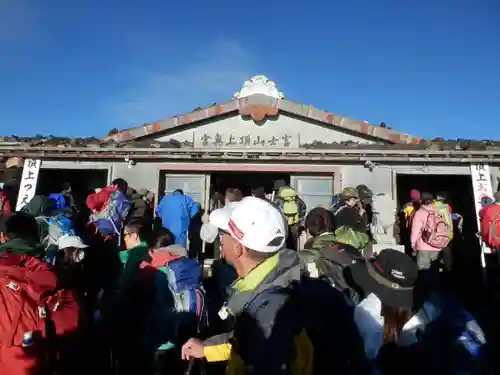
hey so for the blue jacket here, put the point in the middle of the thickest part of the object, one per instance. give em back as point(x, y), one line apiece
point(176, 211)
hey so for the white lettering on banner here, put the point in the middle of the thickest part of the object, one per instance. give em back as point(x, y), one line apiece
point(29, 180)
point(232, 140)
point(483, 192)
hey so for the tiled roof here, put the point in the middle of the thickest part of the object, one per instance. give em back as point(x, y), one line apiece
point(258, 107)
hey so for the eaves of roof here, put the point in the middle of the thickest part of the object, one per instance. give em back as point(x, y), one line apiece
point(259, 106)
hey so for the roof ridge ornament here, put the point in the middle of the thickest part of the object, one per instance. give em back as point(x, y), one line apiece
point(259, 84)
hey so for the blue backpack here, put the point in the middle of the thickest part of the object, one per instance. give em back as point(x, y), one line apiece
point(179, 308)
point(57, 226)
point(109, 220)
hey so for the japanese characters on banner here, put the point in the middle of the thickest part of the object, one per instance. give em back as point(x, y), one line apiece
point(483, 192)
point(29, 180)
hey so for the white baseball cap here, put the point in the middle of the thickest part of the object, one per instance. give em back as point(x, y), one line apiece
point(255, 223)
point(71, 241)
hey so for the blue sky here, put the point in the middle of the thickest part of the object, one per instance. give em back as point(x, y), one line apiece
point(79, 68)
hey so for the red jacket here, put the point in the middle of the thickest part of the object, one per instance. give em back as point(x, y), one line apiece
point(96, 201)
point(5, 206)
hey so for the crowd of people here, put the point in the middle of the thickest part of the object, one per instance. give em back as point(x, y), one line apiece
point(115, 288)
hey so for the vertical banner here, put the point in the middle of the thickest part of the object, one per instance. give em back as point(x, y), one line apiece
point(483, 193)
point(29, 181)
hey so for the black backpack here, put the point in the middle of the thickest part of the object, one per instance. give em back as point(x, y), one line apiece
point(331, 262)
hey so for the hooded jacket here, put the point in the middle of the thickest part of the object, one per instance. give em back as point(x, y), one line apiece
point(21, 246)
point(265, 323)
point(417, 226)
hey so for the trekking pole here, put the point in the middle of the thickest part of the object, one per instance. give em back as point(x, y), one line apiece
point(190, 367)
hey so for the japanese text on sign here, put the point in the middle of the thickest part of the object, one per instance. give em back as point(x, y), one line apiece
point(219, 140)
point(483, 191)
point(29, 181)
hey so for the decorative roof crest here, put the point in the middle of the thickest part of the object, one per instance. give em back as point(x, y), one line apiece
point(259, 84)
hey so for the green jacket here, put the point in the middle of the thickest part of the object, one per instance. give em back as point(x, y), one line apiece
point(21, 246)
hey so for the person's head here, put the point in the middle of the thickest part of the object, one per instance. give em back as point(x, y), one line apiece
point(350, 196)
point(415, 195)
point(121, 184)
point(162, 237)
point(250, 231)
point(233, 195)
point(259, 192)
point(426, 198)
point(442, 196)
point(179, 191)
point(135, 232)
point(278, 184)
point(318, 221)
point(72, 250)
point(21, 225)
point(66, 187)
point(391, 276)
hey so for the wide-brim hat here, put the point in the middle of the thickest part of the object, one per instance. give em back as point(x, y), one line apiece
point(391, 276)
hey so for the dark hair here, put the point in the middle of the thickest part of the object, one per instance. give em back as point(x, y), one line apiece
point(66, 186)
point(319, 220)
point(442, 196)
point(234, 195)
point(259, 192)
point(121, 183)
point(394, 321)
point(426, 198)
point(180, 191)
point(162, 237)
point(140, 228)
point(22, 225)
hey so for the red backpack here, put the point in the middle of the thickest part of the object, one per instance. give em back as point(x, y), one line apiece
point(38, 321)
point(490, 227)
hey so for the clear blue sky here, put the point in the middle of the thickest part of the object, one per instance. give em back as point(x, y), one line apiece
point(79, 68)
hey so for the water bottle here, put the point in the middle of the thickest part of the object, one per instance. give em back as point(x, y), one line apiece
point(27, 339)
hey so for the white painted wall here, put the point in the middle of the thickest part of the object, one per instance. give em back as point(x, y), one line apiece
point(301, 131)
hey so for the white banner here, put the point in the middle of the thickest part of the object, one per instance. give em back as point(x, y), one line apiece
point(29, 180)
point(483, 192)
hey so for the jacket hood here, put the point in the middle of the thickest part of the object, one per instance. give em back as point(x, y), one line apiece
point(287, 271)
point(320, 241)
point(428, 208)
point(178, 250)
point(22, 247)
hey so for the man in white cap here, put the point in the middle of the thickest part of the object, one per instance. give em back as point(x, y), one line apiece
point(253, 236)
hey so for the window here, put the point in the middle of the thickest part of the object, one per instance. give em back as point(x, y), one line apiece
point(314, 191)
point(193, 186)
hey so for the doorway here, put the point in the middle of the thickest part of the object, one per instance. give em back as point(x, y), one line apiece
point(460, 195)
point(247, 182)
point(82, 181)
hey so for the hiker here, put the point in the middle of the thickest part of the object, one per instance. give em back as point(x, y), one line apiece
point(176, 211)
point(351, 223)
point(109, 209)
point(96, 201)
point(431, 231)
point(490, 224)
point(20, 235)
point(411, 327)
point(253, 236)
point(292, 207)
point(124, 312)
point(412, 206)
point(323, 256)
point(179, 310)
point(5, 205)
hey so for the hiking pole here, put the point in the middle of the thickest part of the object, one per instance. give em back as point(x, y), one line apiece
point(190, 367)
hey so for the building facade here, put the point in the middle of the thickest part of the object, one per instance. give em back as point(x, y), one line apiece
point(258, 131)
